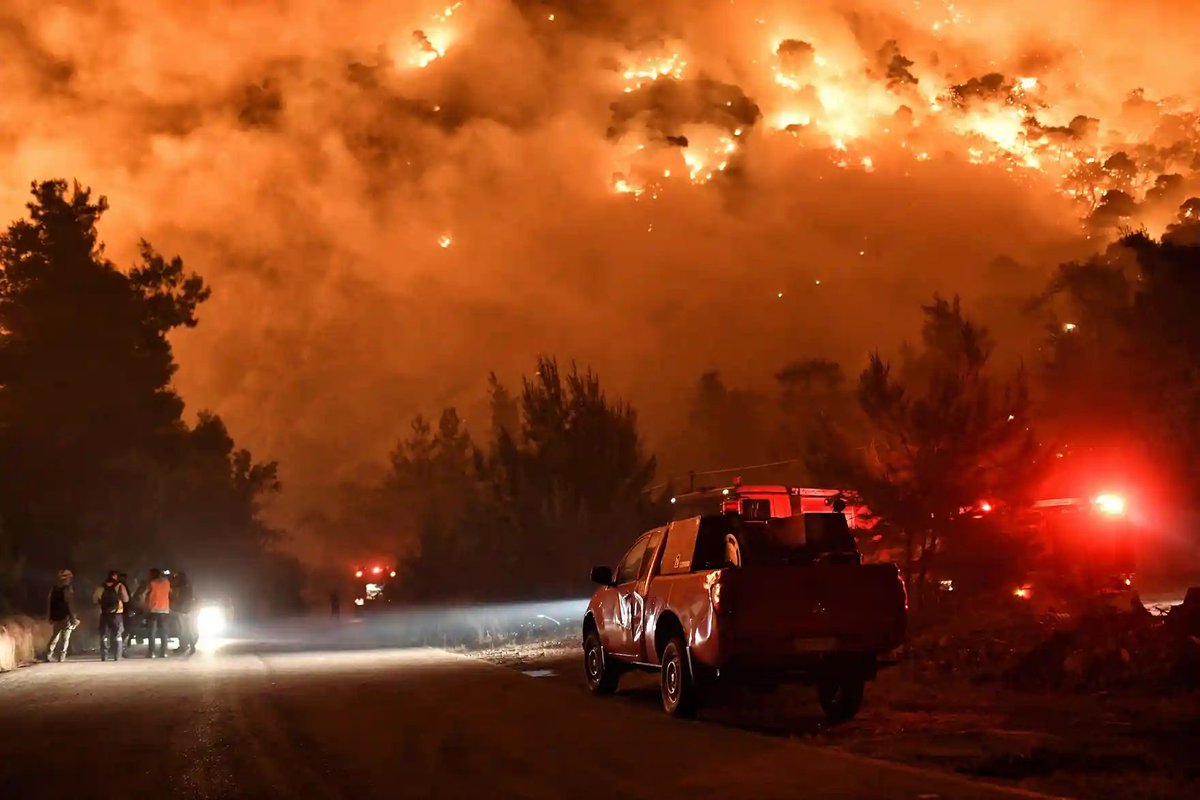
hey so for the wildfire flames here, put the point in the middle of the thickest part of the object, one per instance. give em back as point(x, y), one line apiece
point(860, 102)
point(427, 47)
point(394, 198)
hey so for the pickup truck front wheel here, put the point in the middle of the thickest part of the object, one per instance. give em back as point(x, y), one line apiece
point(602, 673)
point(679, 695)
point(840, 697)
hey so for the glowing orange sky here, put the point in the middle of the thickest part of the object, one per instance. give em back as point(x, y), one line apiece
point(393, 198)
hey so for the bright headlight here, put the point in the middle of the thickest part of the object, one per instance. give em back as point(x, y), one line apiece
point(210, 621)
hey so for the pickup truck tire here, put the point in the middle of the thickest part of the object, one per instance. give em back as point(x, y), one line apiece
point(602, 673)
point(679, 694)
point(840, 697)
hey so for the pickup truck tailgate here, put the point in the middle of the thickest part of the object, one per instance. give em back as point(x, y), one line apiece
point(779, 610)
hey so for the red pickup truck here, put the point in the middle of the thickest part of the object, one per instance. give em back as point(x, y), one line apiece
point(715, 599)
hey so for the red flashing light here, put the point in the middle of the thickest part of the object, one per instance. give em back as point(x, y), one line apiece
point(1023, 592)
point(377, 570)
point(392, 573)
point(985, 506)
point(358, 574)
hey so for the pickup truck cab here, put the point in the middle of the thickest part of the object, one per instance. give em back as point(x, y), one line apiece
point(714, 599)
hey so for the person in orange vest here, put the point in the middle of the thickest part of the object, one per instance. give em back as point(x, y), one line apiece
point(158, 607)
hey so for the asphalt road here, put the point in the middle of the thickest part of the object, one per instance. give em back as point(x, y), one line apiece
point(393, 723)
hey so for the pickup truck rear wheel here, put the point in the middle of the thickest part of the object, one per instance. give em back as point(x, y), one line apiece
point(679, 695)
point(840, 697)
point(602, 673)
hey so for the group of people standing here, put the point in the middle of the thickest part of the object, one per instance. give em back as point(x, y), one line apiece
point(158, 604)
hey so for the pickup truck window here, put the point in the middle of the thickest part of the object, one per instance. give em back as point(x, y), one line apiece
point(796, 540)
point(756, 510)
point(711, 549)
point(632, 562)
point(652, 543)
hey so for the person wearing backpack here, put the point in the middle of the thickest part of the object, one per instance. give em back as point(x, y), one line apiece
point(129, 614)
point(112, 596)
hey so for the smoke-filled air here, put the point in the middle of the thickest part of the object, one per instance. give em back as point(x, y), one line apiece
point(392, 199)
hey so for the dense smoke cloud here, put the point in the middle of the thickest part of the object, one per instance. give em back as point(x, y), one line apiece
point(393, 198)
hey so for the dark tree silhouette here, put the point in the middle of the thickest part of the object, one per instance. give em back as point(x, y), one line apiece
point(1125, 364)
point(100, 467)
point(813, 398)
point(941, 436)
point(576, 482)
point(563, 483)
point(506, 415)
point(723, 427)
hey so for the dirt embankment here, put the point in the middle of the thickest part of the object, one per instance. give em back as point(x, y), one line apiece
point(21, 640)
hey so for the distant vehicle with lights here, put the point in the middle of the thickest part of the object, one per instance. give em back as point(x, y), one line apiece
point(374, 588)
point(214, 615)
point(1089, 548)
point(1086, 548)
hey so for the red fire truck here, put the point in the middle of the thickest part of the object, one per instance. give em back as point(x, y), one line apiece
point(373, 587)
point(1087, 548)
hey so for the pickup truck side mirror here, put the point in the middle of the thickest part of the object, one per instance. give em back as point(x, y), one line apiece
point(602, 576)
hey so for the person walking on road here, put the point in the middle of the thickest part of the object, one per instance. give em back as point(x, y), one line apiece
point(158, 606)
point(61, 613)
point(183, 606)
point(129, 614)
point(112, 597)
